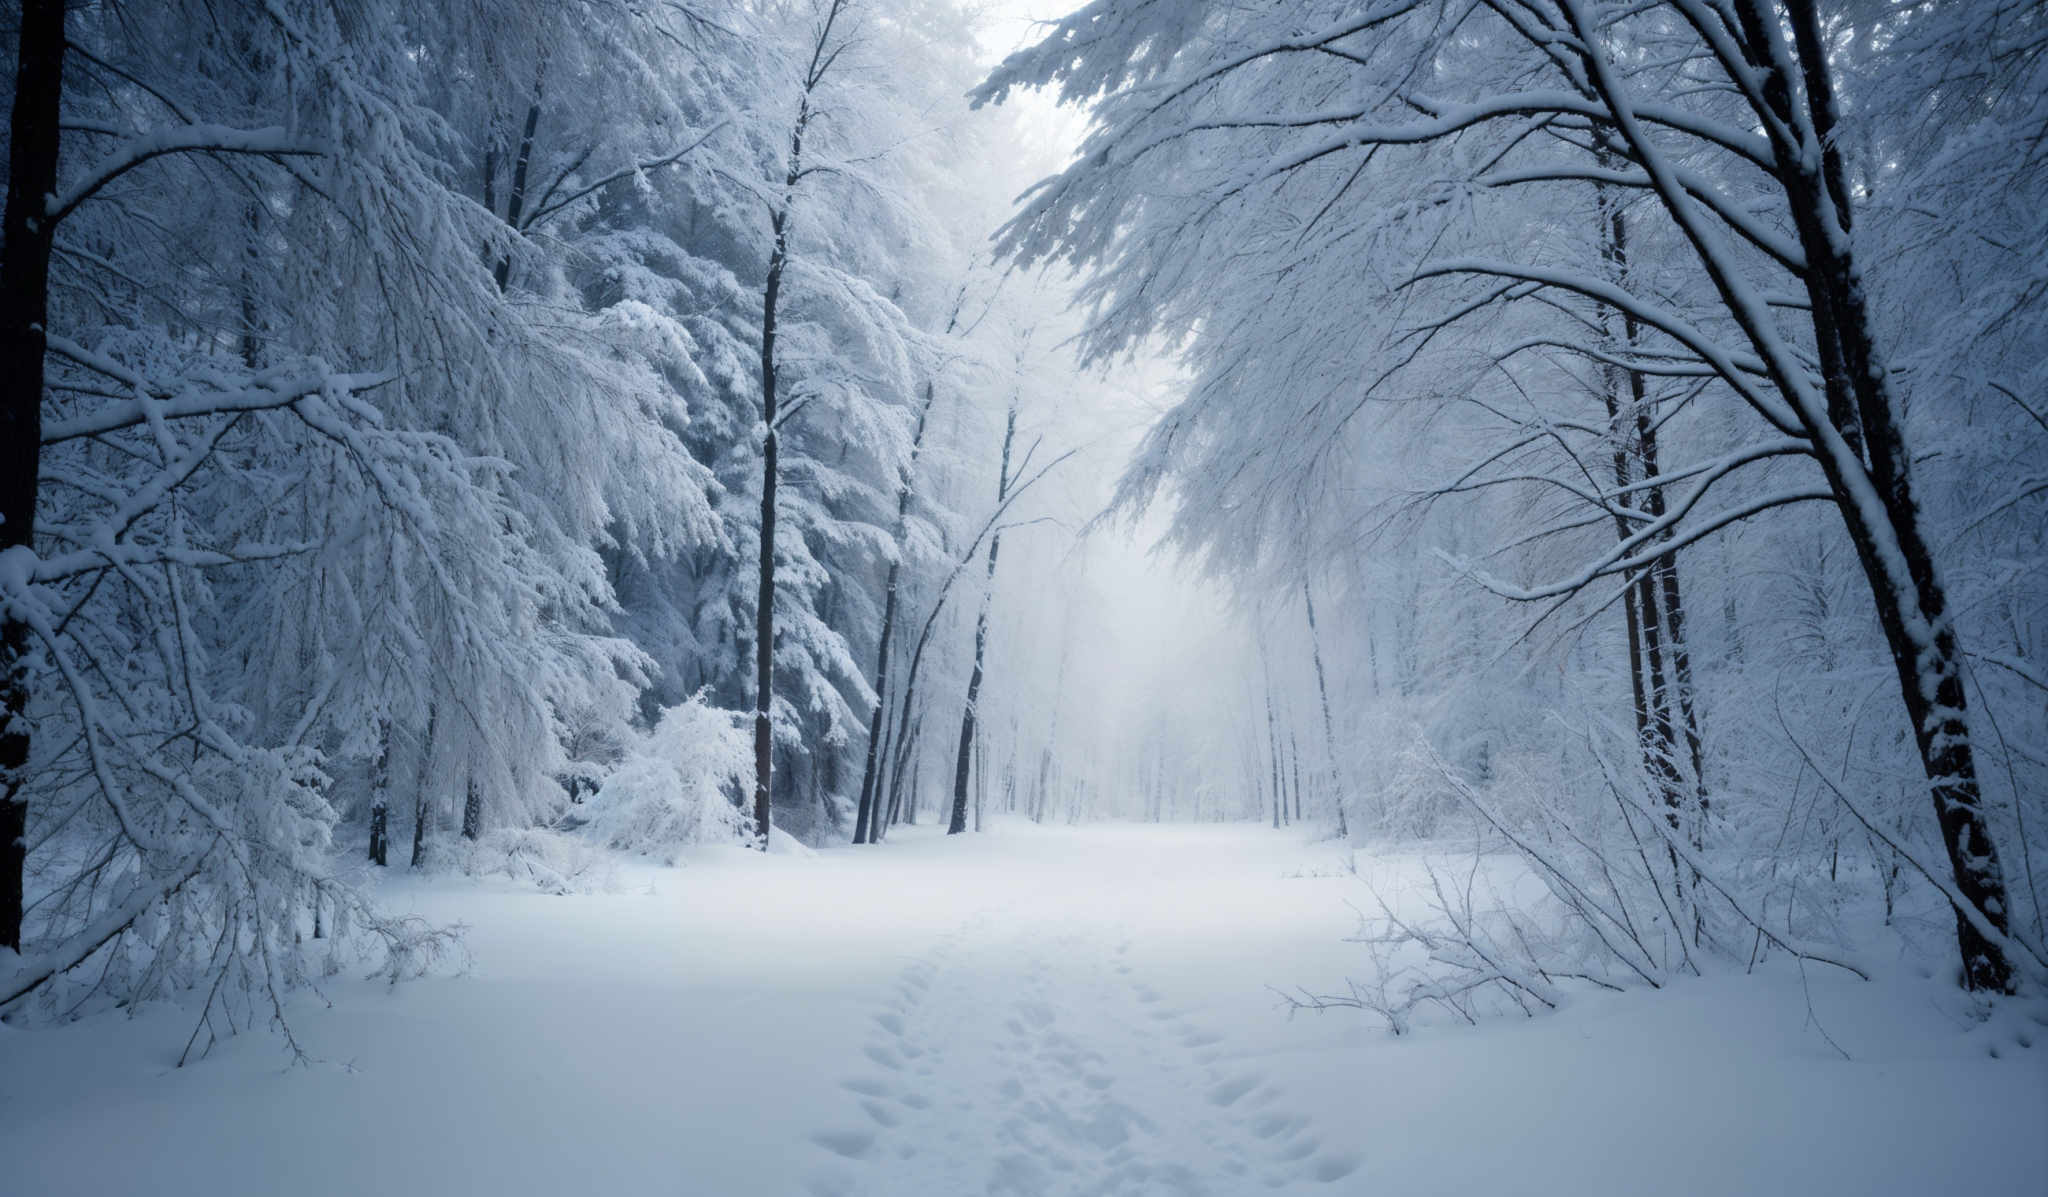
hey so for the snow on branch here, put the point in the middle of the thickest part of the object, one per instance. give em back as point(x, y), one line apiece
point(271, 142)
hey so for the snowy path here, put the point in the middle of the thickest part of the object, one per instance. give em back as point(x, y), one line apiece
point(1011, 1061)
point(1028, 1013)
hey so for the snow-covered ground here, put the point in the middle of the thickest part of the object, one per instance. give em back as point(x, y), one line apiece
point(1028, 1011)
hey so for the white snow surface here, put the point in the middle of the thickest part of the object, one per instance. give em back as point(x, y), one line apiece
point(1024, 1012)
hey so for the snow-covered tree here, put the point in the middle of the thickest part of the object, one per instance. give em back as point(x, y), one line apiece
point(1446, 221)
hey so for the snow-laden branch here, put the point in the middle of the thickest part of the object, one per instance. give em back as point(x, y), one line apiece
point(1737, 369)
point(25, 974)
point(1782, 249)
point(271, 142)
point(546, 208)
point(201, 395)
point(1663, 536)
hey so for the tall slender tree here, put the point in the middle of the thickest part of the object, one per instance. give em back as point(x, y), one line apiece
point(828, 44)
point(964, 757)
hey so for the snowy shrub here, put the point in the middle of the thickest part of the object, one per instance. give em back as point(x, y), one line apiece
point(1415, 799)
point(234, 900)
point(1611, 897)
point(674, 787)
point(556, 862)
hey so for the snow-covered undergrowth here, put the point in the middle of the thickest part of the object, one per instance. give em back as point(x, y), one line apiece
point(237, 902)
point(1578, 871)
point(556, 862)
point(1030, 1012)
point(670, 789)
point(674, 787)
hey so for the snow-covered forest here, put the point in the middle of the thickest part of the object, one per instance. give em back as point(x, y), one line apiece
point(927, 598)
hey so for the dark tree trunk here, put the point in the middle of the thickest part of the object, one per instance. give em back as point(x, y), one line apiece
point(912, 797)
point(1678, 709)
point(877, 717)
point(980, 780)
point(472, 809)
point(252, 265)
point(822, 59)
point(878, 827)
point(1875, 493)
point(904, 737)
point(491, 177)
point(421, 808)
point(890, 593)
point(24, 313)
point(906, 734)
point(1651, 602)
point(380, 794)
point(1662, 612)
point(1928, 661)
point(899, 812)
point(380, 840)
point(764, 622)
point(967, 714)
point(515, 202)
point(764, 602)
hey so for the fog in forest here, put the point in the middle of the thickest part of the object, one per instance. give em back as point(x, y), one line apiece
point(1027, 598)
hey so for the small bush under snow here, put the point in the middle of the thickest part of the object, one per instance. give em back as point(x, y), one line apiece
point(557, 863)
point(674, 786)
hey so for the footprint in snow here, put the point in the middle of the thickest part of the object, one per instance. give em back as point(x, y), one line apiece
point(1268, 1125)
point(853, 1144)
point(1335, 1167)
point(1229, 1091)
point(883, 1056)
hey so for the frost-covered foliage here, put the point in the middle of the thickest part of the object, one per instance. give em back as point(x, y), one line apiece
point(553, 861)
point(675, 786)
point(397, 443)
point(1670, 366)
point(880, 226)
